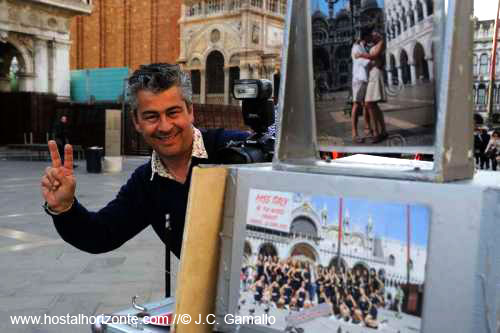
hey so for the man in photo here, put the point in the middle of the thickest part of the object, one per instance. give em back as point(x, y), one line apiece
point(359, 84)
point(156, 194)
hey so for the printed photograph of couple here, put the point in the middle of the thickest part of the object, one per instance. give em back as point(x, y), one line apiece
point(374, 72)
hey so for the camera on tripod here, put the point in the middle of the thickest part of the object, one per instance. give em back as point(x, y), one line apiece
point(258, 114)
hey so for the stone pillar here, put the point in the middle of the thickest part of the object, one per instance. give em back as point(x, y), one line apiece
point(400, 74)
point(60, 69)
point(26, 81)
point(389, 76)
point(244, 72)
point(413, 74)
point(41, 81)
point(226, 86)
point(203, 94)
point(476, 93)
point(424, 8)
point(430, 66)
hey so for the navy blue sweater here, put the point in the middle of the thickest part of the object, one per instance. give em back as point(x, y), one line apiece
point(140, 202)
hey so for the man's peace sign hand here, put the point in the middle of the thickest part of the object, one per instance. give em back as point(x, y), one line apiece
point(59, 183)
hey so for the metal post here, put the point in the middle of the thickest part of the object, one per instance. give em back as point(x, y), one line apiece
point(493, 68)
point(408, 242)
point(340, 235)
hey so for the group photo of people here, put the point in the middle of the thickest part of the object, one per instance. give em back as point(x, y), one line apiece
point(355, 296)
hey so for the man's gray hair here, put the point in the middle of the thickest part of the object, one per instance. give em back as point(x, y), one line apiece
point(157, 78)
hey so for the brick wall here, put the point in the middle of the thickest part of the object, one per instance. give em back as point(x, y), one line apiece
point(126, 33)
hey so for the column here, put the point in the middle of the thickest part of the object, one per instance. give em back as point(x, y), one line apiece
point(226, 85)
point(203, 94)
point(60, 69)
point(41, 50)
point(430, 66)
point(389, 76)
point(413, 74)
point(244, 71)
point(26, 81)
point(424, 7)
point(400, 75)
point(476, 93)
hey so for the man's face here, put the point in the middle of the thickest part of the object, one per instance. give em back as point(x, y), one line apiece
point(165, 122)
point(64, 119)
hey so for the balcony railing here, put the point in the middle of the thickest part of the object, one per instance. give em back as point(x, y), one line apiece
point(220, 7)
point(78, 7)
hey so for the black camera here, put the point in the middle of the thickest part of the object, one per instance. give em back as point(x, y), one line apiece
point(258, 114)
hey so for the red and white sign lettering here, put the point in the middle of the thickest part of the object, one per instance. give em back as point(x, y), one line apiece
point(270, 209)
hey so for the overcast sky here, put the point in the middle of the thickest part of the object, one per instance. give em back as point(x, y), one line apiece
point(485, 9)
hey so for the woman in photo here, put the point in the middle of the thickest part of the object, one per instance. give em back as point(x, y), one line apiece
point(492, 150)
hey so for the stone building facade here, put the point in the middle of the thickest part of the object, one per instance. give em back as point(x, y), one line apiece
point(409, 33)
point(126, 33)
point(224, 40)
point(35, 43)
point(481, 61)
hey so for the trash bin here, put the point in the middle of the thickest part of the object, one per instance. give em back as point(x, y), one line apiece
point(94, 157)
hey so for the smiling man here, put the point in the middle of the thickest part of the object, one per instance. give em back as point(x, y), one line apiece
point(156, 193)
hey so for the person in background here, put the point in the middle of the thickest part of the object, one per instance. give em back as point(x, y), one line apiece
point(492, 150)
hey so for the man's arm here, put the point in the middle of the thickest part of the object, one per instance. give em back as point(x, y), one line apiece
point(92, 232)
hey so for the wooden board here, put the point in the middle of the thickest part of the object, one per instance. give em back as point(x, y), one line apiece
point(197, 278)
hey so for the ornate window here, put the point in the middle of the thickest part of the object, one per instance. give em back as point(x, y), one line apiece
point(475, 69)
point(481, 95)
point(272, 5)
point(194, 10)
point(282, 7)
point(256, 3)
point(420, 11)
point(483, 64)
point(392, 260)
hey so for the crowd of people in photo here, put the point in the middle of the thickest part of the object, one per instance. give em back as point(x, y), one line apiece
point(355, 295)
point(486, 148)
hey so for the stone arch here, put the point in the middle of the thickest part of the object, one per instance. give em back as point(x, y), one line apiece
point(421, 67)
point(405, 66)
point(361, 267)
point(195, 60)
point(207, 52)
point(26, 60)
point(333, 263)
point(234, 59)
point(304, 225)
point(268, 249)
point(214, 83)
point(305, 251)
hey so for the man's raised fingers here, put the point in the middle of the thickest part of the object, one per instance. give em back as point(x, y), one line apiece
point(54, 154)
point(68, 157)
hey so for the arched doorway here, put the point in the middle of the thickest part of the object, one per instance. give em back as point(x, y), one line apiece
point(11, 63)
point(360, 269)
point(405, 67)
point(214, 83)
point(268, 250)
point(304, 252)
point(303, 226)
point(421, 68)
point(333, 263)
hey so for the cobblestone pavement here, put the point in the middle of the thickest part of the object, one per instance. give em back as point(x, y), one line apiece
point(42, 275)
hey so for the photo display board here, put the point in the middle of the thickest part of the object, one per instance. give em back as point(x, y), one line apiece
point(376, 77)
point(303, 268)
point(374, 72)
